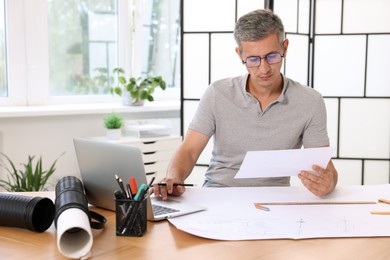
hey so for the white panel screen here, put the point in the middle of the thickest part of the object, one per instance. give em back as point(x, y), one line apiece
point(378, 66)
point(296, 62)
point(189, 109)
point(287, 10)
point(332, 111)
point(328, 16)
point(370, 16)
point(376, 172)
point(349, 171)
point(206, 15)
point(339, 65)
point(303, 17)
point(365, 128)
point(225, 62)
point(195, 64)
point(189, 112)
point(246, 6)
point(349, 66)
point(197, 175)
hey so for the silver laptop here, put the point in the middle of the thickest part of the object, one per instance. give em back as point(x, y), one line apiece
point(100, 161)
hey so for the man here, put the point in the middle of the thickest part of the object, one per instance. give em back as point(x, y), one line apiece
point(262, 110)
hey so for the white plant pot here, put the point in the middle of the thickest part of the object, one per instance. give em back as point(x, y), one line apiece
point(139, 103)
point(113, 134)
point(128, 101)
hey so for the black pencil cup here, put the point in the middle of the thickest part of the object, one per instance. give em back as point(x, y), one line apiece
point(131, 217)
point(33, 213)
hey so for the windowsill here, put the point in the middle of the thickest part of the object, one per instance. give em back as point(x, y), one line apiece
point(169, 107)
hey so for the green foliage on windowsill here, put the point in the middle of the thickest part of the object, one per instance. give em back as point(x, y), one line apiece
point(140, 89)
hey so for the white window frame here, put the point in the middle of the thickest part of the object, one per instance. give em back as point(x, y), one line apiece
point(28, 56)
point(16, 55)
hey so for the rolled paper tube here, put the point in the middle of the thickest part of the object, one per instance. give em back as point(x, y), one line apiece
point(74, 235)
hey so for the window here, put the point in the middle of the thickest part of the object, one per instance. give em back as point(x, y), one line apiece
point(3, 78)
point(82, 36)
point(160, 39)
point(58, 45)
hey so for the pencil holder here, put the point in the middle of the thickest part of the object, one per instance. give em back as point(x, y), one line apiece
point(131, 217)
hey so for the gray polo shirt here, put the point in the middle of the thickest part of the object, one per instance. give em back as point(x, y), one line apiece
point(234, 118)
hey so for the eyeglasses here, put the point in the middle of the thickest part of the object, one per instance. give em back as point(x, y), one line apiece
point(255, 61)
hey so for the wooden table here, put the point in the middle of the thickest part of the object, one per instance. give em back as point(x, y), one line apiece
point(163, 241)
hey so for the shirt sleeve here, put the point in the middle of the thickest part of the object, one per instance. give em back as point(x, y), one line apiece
point(204, 118)
point(316, 134)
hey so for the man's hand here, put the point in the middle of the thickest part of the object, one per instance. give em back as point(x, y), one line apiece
point(162, 191)
point(322, 182)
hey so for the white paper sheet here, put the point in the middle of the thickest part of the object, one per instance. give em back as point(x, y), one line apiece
point(231, 214)
point(278, 163)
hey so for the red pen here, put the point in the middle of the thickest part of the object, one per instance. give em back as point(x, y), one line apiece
point(133, 186)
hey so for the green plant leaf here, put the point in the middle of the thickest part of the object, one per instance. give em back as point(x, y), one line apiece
point(28, 182)
point(31, 178)
point(134, 94)
point(113, 121)
point(118, 71)
point(144, 94)
point(163, 85)
point(135, 85)
point(38, 175)
point(122, 80)
point(118, 91)
point(101, 70)
point(13, 168)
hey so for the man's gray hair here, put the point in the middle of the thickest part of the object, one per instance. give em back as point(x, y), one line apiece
point(258, 24)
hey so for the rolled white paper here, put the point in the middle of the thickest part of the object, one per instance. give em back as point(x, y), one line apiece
point(74, 235)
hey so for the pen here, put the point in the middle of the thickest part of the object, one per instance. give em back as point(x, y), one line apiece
point(120, 182)
point(129, 191)
point(141, 192)
point(133, 186)
point(119, 195)
point(151, 182)
point(178, 184)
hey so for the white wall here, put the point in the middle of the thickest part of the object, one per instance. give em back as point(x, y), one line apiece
point(51, 135)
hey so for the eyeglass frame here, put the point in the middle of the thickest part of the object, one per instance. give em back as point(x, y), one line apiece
point(262, 58)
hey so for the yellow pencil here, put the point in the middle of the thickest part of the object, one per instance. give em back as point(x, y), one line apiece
point(316, 203)
point(384, 201)
point(380, 212)
point(258, 206)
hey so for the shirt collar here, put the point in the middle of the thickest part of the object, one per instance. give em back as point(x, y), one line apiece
point(281, 98)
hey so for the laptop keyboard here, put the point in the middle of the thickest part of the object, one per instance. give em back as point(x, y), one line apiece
point(161, 210)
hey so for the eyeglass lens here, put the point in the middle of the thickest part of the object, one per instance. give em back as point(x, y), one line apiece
point(271, 58)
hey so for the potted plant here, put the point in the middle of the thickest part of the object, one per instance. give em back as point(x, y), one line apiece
point(113, 124)
point(133, 91)
point(30, 178)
